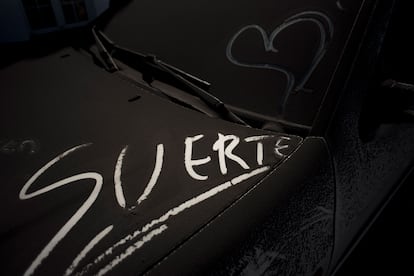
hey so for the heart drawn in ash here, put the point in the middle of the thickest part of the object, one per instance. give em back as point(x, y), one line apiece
point(326, 31)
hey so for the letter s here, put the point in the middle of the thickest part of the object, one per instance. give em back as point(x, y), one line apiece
point(23, 195)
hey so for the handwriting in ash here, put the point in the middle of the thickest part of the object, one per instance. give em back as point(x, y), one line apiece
point(18, 146)
point(224, 146)
point(326, 31)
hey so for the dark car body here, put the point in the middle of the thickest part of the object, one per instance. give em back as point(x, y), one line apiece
point(103, 172)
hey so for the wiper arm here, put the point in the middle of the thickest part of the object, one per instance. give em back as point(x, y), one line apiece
point(150, 66)
point(128, 56)
point(104, 56)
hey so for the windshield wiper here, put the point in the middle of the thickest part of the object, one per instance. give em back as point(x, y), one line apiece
point(153, 68)
point(104, 56)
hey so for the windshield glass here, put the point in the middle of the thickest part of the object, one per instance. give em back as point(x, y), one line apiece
point(272, 57)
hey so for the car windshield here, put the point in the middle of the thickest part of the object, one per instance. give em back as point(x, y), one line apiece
point(276, 58)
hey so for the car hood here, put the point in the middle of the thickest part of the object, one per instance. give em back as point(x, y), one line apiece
point(289, 49)
point(100, 174)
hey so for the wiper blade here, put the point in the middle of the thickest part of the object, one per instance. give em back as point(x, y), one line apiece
point(128, 56)
point(151, 67)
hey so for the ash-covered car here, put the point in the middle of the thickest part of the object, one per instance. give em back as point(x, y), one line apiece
point(203, 137)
